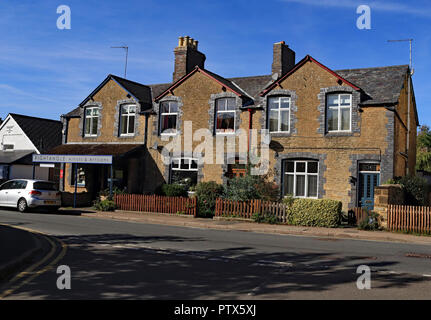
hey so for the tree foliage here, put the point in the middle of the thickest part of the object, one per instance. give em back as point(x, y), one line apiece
point(423, 150)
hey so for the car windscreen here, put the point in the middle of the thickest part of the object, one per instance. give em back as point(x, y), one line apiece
point(44, 186)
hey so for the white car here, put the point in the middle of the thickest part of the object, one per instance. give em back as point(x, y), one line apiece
point(24, 194)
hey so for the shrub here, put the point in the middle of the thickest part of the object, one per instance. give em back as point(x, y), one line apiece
point(315, 213)
point(415, 189)
point(115, 191)
point(207, 193)
point(174, 190)
point(250, 187)
point(105, 205)
point(288, 200)
point(369, 222)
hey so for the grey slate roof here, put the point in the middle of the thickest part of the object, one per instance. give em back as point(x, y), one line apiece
point(382, 85)
point(253, 85)
point(43, 133)
point(138, 90)
point(158, 89)
point(75, 113)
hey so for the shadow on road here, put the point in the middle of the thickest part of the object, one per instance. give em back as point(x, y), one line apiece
point(114, 266)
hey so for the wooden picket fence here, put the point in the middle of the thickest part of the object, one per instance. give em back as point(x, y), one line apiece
point(246, 209)
point(154, 203)
point(409, 219)
point(356, 215)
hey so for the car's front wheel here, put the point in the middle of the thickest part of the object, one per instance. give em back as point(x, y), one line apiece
point(22, 205)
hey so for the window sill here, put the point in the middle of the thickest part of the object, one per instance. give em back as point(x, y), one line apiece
point(169, 134)
point(280, 134)
point(338, 134)
point(229, 133)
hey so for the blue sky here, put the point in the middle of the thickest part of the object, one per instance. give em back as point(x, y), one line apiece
point(47, 72)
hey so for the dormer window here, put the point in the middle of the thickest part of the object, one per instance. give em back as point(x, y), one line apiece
point(225, 115)
point(339, 112)
point(128, 119)
point(168, 117)
point(91, 121)
point(279, 114)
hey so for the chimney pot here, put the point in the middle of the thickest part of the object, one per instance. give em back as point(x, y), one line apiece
point(187, 57)
point(180, 41)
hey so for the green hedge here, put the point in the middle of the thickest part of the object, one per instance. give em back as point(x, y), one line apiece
point(315, 213)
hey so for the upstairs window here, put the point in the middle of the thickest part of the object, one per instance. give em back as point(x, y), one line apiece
point(225, 115)
point(128, 118)
point(168, 117)
point(301, 178)
point(91, 121)
point(278, 114)
point(339, 112)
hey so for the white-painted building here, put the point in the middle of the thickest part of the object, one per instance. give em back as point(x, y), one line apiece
point(22, 136)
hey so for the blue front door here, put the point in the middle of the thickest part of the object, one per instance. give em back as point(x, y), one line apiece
point(367, 183)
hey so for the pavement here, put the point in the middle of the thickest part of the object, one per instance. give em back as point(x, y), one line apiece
point(18, 248)
point(247, 225)
point(121, 258)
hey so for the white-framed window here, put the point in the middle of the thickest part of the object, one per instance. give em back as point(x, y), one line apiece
point(127, 119)
point(168, 117)
point(184, 170)
point(339, 112)
point(225, 115)
point(91, 121)
point(301, 178)
point(279, 114)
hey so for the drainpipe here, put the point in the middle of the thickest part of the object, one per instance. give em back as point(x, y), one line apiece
point(250, 126)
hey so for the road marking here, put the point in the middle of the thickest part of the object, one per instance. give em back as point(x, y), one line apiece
point(30, 269)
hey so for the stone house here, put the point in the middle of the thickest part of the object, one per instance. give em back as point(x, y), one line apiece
point(332, 133)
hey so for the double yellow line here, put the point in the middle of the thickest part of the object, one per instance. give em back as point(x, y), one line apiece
point(30, 272)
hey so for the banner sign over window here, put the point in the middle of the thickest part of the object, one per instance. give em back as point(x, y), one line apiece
point(58, 158)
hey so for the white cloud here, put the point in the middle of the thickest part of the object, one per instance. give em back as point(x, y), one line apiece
point(395, 7)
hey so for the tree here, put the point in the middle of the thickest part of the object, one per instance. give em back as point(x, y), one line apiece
point(423, 149)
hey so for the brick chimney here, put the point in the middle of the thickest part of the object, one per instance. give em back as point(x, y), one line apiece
point(187, 57)
point(283, 59)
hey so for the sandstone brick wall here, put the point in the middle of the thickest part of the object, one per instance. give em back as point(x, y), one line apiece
point(401, 136)
point(108, 97)
point(338, 154)
point(385, 195)
point(371, 139)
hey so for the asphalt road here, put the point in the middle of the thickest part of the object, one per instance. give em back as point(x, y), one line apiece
point(112, 259)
